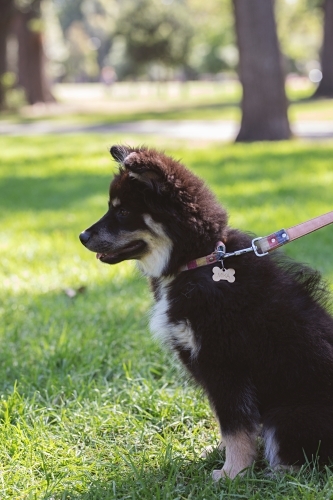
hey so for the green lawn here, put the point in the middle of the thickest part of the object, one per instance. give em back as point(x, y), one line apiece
point(93, 103)
point(91, 408)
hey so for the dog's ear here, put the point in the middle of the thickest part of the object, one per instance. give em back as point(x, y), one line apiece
point(119, 153)
point(132, 160)
point(148, 166)
point(142, 165)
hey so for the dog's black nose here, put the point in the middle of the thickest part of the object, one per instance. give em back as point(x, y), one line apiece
point(84, 237)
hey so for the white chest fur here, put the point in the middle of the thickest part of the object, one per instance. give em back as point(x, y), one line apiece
point(173, 334)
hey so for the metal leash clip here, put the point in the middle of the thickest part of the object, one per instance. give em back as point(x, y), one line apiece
point(220, 251)
point(256, 248)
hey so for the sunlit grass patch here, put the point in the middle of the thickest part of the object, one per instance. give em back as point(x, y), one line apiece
point(91, 408)
point(92, 104)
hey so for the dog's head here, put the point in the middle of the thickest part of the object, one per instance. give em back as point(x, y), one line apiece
point(159, 214)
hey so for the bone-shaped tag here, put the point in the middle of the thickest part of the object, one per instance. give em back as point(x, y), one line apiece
point(223, 274)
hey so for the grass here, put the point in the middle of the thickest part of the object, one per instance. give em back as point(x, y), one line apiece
point(94, 104)
point(91, 408)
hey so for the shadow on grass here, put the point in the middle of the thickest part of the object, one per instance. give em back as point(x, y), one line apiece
point(222, 170)
point(177, 477)
point(174, 477)
point(217, 109)
point(180, 112)
point(51, 193)
point(175, 111)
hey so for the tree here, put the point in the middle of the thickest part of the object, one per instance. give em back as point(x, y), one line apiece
point(31, 58)
point(89, 27)
point(69, 12)
point(6, 10)
point(325, 87)
point(213, 47)
point(264, 102)
point(100, 21)
point(299, 25)
point(154, 32)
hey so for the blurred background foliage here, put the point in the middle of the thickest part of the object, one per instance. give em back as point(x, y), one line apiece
point(299, 24)
point(133, 36)
point(96, 40)
point(257, 42)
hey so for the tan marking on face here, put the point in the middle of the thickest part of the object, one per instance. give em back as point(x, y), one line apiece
point(115, 202)
point(157, 257)
point(159, 246)
point(240, 454)
point(134, 175)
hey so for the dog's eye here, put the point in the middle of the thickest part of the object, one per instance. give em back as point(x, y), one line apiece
point(122, 212)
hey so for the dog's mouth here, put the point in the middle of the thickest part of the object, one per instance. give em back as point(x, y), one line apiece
point(132, 250)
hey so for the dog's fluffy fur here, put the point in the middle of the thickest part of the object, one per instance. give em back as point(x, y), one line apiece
point(261, 347)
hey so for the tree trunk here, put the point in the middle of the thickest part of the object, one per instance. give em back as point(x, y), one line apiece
point(6, 8)
point(264, 103)
point(325, 87)
point(31, 58)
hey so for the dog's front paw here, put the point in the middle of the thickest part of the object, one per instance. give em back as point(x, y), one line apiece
point(231, 473)
point(218, 474)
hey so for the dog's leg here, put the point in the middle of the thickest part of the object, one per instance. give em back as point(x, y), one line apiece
point(297, 434)
point(240, 454)
point(233, 399)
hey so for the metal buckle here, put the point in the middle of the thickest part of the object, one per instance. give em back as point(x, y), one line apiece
point(255, 248)
point(220, 251)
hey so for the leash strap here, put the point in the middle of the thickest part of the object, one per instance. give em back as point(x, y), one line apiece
point(261, 246)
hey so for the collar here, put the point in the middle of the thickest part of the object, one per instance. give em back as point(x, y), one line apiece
point(218, 254)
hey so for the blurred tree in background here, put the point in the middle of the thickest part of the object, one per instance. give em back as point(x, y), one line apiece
point(325, 87)
point(207, 36)
point(264, 103)
point(156, 38)
point(88, 28)
point(154, 33)
point(100, 40)
point(21, 22)
point(6, 12)
point(213, 48)
point(31, 75)
point(299, 26)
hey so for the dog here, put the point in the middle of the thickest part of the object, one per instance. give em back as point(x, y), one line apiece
point(260, 343)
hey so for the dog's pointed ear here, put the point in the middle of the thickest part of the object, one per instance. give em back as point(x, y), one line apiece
point(145, 165)
point(120, 153)
point(142, 167)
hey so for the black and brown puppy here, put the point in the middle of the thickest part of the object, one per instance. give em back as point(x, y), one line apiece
point(261, 346)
